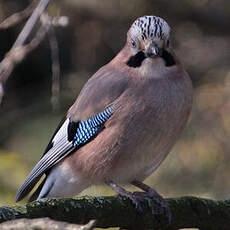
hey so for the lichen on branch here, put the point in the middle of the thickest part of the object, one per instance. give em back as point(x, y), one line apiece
point(118, 211)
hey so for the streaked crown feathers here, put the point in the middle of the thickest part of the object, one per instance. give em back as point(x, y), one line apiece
point(150, 27)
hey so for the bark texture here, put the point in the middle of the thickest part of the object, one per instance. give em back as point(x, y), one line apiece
point(118, 211)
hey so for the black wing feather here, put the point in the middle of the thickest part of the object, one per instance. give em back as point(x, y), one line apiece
point(69, 137)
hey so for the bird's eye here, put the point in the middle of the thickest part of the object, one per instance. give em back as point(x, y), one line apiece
point(133, 44)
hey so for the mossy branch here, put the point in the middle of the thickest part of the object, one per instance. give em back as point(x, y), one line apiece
point(117, 211)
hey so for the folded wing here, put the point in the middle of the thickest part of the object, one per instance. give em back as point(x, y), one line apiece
point(70, 136)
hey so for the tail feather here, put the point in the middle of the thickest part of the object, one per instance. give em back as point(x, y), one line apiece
point(22, 193)
point(35, 195)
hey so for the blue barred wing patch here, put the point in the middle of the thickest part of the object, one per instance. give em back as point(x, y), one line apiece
point(91, 127)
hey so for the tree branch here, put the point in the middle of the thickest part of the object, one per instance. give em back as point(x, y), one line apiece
point(18, 17)
point(19, 51)
point(8, 63)
point(16, 55)
point(55, 69)
point(117, 211)
point(21, 39)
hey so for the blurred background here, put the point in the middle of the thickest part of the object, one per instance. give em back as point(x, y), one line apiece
point(198, 164)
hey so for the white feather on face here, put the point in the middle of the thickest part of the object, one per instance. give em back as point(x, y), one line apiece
point(150, 28)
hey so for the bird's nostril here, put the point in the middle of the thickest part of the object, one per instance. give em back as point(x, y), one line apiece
point(152, 51)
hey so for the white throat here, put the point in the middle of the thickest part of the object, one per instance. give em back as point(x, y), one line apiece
point(152, 68)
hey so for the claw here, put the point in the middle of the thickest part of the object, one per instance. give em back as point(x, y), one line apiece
point(152, 194)
point(138, 198)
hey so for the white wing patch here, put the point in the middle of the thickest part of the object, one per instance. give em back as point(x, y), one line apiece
point(69, 137)
point(61, 132)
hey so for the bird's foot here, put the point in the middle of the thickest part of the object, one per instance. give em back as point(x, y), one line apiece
point(150, 193)
point(135, 198)
point(138, 198)
point(160, 200)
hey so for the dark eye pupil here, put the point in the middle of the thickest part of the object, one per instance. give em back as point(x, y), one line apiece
point(133, 44)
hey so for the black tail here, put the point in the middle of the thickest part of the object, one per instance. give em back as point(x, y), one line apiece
point(24, 191)
point(35, 195)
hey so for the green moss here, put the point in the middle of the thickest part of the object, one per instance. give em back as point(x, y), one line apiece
point(21, 210)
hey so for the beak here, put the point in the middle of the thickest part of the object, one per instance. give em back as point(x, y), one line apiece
point(152, 50)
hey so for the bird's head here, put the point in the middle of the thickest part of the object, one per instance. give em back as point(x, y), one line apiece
point(148, 37)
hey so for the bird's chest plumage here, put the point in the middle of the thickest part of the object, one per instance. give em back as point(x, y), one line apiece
point(152, 128)
point(139, 134)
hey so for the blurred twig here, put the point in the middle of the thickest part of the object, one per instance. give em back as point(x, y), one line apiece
point(55, 69)
point(56, 21)
point(18, 17)
point(16, 55)
point(44, 224)
point(18, 51)
point(21, 39)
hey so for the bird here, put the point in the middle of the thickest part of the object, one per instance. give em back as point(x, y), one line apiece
point(124, 122)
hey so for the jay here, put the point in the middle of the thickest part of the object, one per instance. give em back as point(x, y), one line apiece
point(123, 124)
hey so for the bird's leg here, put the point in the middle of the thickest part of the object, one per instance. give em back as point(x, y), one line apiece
point(136, 199)
point(153, 194)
